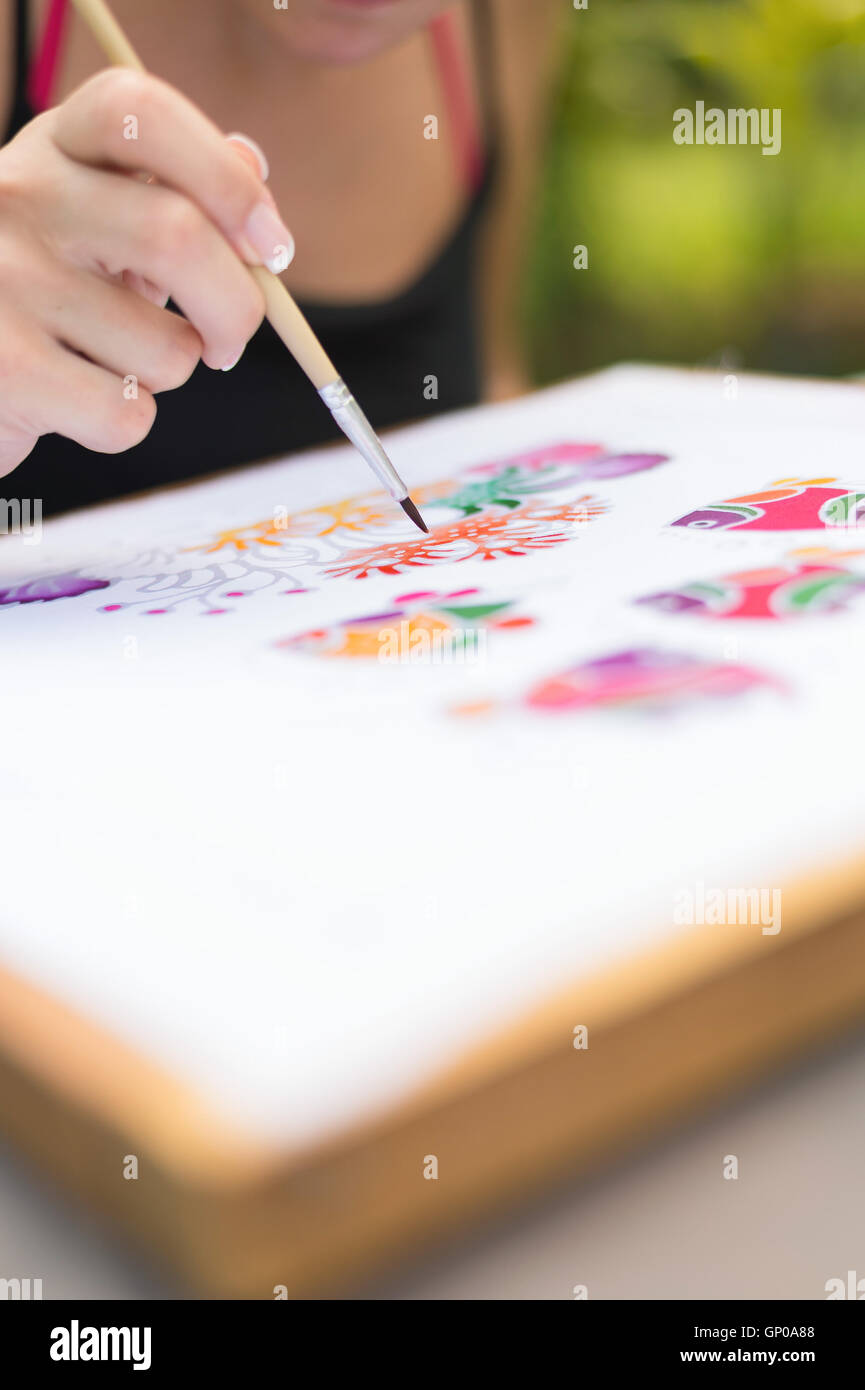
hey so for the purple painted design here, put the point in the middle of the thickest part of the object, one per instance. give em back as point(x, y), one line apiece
point(620, 465)
point(712, 519)
point(377, 617)
point(55, 586)
point(673, 602)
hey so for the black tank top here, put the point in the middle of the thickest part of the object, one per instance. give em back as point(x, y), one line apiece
point(386, 351)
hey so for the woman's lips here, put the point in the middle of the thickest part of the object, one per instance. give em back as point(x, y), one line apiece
point(364, 4)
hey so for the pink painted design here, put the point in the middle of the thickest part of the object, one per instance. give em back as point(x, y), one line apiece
point(791, 504)
point(539, 460)
point(647, 678)
point(781, 591)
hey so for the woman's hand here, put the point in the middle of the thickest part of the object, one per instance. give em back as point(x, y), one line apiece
point(90, 253)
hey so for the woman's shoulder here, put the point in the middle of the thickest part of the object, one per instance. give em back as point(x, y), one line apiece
point(527, 42)
point(532, 22)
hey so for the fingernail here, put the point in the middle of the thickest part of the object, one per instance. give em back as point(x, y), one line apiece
point(233, 363)
point(270, 238)
point(256, 150)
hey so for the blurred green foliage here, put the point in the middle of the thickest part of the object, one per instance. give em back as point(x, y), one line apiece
point(704, 254)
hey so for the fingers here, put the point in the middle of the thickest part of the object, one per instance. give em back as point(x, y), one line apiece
point(85, 403)
point(15, 445)
point(122, 332)
point(254, 157)
point(122, 226)
point(130, 120)
point(154, 293)
point(88, 255)
point(49, 389)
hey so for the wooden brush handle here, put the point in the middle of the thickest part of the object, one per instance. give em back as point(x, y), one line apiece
point(288, 321)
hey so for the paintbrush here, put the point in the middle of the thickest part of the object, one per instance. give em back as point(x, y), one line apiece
point(283, 313)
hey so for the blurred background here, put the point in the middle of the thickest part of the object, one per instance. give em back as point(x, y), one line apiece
point(736, 259)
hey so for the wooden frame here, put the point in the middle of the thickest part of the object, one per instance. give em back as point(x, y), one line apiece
point(706, 1011)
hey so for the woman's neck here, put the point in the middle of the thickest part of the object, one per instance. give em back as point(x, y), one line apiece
point(336, 136)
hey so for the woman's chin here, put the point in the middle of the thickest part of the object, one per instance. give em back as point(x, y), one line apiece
point(341, 45)
point(343, 32)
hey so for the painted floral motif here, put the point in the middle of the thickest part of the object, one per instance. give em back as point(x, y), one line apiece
point(646, 678)
point(556, 466)
point(790, 504)
point(779, 591)
point(352, 514)
point(158, 586)
point(537, 526)
point(52, 587)
point(505, 483)
point(456, 617)
point(509, 507)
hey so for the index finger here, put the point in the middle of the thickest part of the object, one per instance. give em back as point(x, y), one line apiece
point(132, 121)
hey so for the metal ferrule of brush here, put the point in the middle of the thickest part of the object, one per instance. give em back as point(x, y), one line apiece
point(354, 424)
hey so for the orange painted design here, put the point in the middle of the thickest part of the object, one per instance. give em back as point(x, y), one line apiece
point(368, 642)
point(352, 514)
point(238, 539)
point(475, 709)
point(776, 491)
point(536, 526)
point(824, 552)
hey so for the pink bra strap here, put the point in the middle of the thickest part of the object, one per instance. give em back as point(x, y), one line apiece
point(450, 59)
point(46, 61)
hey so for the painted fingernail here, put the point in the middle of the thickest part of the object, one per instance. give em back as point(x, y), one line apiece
point(270, 238)
point(233, 363)
point(255, 149)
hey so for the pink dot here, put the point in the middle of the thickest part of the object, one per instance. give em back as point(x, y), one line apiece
point(234, 593)
point(155, 610)
point(289, 592)
point(111, 607)
point(422, 593)
point(209, 613)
